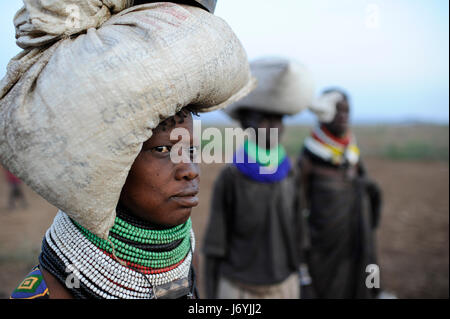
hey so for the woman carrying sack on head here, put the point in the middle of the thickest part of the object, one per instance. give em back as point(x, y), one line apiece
point(90, 118)
point(253, 243)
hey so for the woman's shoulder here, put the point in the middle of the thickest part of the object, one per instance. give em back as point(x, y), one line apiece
point(32, 287)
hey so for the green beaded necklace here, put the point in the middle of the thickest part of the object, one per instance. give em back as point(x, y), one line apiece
point(138, 235)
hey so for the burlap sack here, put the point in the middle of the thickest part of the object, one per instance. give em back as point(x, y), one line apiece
point(284, 87)
point(74, 115)
point(324, 107)
point(43, 21)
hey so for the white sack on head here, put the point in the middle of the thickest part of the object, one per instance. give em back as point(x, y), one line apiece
point(42, 21)
point(324, 107)
point(284, 87)
point(73, 117)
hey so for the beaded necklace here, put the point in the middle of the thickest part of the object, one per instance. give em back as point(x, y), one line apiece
point(248, 160)
point(338, 152)
point(124, 272)
point(131, 253)
point(265, 157)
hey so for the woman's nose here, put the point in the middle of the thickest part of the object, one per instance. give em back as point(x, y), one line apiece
point(187, 171)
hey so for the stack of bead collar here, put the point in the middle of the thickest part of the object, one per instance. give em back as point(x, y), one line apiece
point(141, 259)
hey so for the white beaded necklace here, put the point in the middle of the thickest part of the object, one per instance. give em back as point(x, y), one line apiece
point(102, 274)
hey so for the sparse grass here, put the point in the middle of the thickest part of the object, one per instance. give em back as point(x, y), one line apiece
point(405, 142)
point(413, 150)
point(396, 142)
point(293, 138)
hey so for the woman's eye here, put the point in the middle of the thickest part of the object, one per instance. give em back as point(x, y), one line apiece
point(161, 149)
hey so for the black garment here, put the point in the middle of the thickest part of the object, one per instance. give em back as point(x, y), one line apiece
point(344, 207)
point(253, 232)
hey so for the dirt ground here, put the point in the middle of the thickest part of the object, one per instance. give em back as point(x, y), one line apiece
point(412, 238)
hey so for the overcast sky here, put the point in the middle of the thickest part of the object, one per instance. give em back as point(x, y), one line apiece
point(390, 55)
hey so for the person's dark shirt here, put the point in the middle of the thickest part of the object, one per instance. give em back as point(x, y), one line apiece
point(254, 228)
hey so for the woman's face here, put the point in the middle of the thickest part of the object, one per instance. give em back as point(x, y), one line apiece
point(158, 190)
point(340, 124)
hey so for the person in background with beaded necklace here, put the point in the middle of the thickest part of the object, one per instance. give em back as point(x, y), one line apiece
point(342, 204)
point(144, 248)
point(253, 242)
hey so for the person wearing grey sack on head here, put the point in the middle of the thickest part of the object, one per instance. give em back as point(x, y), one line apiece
point(253, 243)
point(87, 113)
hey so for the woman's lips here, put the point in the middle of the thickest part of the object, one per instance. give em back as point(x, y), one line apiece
point(187, 199)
